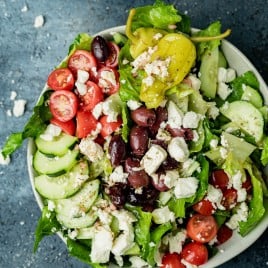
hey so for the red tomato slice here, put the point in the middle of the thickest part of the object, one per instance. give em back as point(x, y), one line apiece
point(204, 207)
point(202, 228)
point(61, 79)
point(195, 253)
point(67, 127)
point(85, 123)
point(82, 60)
point(93, 96)
point(63, 105)
point(224, 234)
point(247, 184)
point(108, 80)
point(229, 199)
point(172, 260)
point(109, 127)
point(112, 60)
point(219, 179)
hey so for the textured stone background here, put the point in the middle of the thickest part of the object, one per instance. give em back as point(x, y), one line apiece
point(27, 55)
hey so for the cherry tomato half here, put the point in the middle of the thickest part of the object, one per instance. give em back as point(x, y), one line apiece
point(85, 123)
point(172, 260)
point(224, 234)
point(112, 60)
point(108, 80)
point(109, 127)
point(82, 60)
point(61, 79)
point(247, 184)
point(229, 198)
point(67, 127)
point(195, 253)
point(63, 105)
point(93, 96)
point(204, 207)
point(219, 179)
point(202, 228)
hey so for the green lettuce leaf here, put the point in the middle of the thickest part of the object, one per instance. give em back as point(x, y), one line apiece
point(264, 153)
point(159, 15)
point(47, 225)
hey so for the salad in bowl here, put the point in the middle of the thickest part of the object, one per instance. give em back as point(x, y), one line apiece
point(148, 145)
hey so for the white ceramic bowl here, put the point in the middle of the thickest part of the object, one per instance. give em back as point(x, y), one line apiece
point(236, 244)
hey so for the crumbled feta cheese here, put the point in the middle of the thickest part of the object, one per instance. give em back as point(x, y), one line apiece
point(100, 251)
point(104, 216)
point(236, 182)
point(213, 143)
point(13, 95)
point(125, 61)
point(51, 132)
point(175, 115)
point(195, 82)
point(223, 153)
point(186, 187)
point(230, 76)
point(133, 104)
point(178, 149)
point(18, 108)
point(214, 195)
point(171, 177)
point(118, 175)
point(111, 109)
point(223, 90)
point(39, 21)
point(240, 215)
point(213, 110)
point(82, 76)
point(157, 36)
point(97, 110)
point(158, 68)
point(106, 79)
point(153, 158)
point(187, 264)
point(163, 135)
point(73, 234)
point(175, 242)
point(138, 262)
point(190, 120)
point(81, 88)
point(189, 167)
point(222, 74)
point(4, 161)
point(51, 205)
point(163, 215)
point(148, 81)
point(92, 150)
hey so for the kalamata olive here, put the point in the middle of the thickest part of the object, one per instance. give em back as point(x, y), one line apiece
point(139, 140)
point(137, 176)
point(158, 183)
point(148, 196)
point(100, 48)
point(117, 150)
point(169, 163)
point(161, 116)
point(118, 194)
point(143, 117)
point(161, 143)
point(186, 133)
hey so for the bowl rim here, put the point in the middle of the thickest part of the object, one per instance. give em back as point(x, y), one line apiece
point(236, 244)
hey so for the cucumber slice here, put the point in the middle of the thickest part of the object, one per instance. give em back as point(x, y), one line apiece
point(82, 222)
point(58, 146)
point(54, 165)
point(209, 73)
point(253, 96)
point(222, 60)
point(245, 116)
point(81, 202)
point(62, 186)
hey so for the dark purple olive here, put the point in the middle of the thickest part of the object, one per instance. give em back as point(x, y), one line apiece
point(100, 48)
point(118, 194)
point(117, 150)
point(143, 117)
point(139, 139)
point(161, 116)
point(137, 176)
point(160, 184)
point(186, 133)
point(169, 163)
point(147, 197)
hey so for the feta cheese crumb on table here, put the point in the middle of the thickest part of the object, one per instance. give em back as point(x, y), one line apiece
point(39, 21)
point(19, 107)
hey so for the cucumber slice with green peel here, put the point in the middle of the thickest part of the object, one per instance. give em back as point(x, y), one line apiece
point(222, 60)
point(62, 186)
point(58, 146)
point(209, 73)
point(54, 166)
point(78, 204)
point(245, 116)
point(253, 96)
point(84, 221)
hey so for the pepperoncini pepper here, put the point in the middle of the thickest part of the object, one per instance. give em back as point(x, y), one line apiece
point(142, 38)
